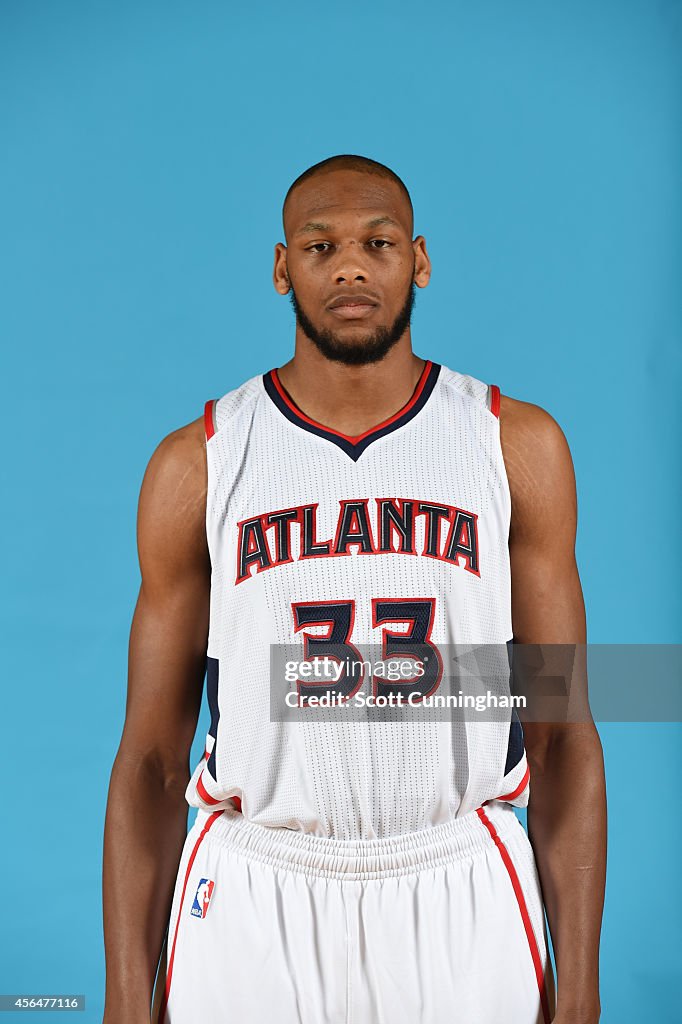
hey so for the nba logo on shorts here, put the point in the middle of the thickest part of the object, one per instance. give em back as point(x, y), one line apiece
point(202, 897)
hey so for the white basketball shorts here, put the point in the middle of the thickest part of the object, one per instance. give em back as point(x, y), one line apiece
point(439, 926)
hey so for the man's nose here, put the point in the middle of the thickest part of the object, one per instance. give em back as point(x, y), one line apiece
point(350, 265)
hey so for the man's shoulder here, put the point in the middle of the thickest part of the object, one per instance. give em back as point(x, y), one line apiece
point(532, 422)
point(179, 459)
point(184, 449)
point(185, 443)
point(536, 452)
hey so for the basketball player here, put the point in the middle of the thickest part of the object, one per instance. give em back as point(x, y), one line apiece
point(373, 870)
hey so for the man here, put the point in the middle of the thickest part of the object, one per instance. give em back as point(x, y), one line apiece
point(366, 868)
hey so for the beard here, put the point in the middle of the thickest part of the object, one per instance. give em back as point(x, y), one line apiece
point(368, 349)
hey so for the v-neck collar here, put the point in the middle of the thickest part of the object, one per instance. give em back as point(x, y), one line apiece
point(353, 446)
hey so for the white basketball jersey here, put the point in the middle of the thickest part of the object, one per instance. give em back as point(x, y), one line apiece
point(396, 538)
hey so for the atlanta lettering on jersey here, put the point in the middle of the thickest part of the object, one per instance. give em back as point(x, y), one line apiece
point(368, 526)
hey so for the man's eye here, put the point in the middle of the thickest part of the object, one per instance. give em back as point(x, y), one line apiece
point(382, 242)
point(316, 246)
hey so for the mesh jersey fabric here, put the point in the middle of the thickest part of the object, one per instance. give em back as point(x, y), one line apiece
point(282, 490)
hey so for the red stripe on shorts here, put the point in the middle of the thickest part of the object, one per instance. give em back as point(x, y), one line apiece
point(164, 1002)
point(518, 891)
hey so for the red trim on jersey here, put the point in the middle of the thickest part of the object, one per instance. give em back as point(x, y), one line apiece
point(519, 789)
point(204, 794)
point(518, 891)
point(209, 422)
point(495, 400)
point(164, 1002)
point(359, 437)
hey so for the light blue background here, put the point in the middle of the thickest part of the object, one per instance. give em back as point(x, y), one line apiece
point(146, 150)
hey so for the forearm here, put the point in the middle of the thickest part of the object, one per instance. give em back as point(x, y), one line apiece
point(567, 828)
point(145, 828)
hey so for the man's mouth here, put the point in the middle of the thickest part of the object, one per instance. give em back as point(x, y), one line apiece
point(352, 307)
point(353, 311)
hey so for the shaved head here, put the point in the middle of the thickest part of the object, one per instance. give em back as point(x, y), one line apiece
point(348, 162)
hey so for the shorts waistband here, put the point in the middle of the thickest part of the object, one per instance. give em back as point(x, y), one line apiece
point(353, 859)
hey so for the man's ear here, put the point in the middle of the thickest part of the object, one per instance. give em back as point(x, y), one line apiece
point(422, 263)
point(280, 273)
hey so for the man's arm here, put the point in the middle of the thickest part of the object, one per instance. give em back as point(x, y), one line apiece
point(146, 817)
point(567, 807)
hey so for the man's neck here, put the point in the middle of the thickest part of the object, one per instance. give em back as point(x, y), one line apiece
point(351, 399)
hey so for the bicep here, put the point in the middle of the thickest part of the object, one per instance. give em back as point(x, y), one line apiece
point(547, 601)
point(167, 651)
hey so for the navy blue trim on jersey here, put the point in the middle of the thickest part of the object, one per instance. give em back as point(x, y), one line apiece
point(515, 744)
point(212, 695)
point(354, 448)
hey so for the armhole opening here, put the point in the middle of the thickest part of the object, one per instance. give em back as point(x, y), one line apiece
point(209, 418)
point(493, 400)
